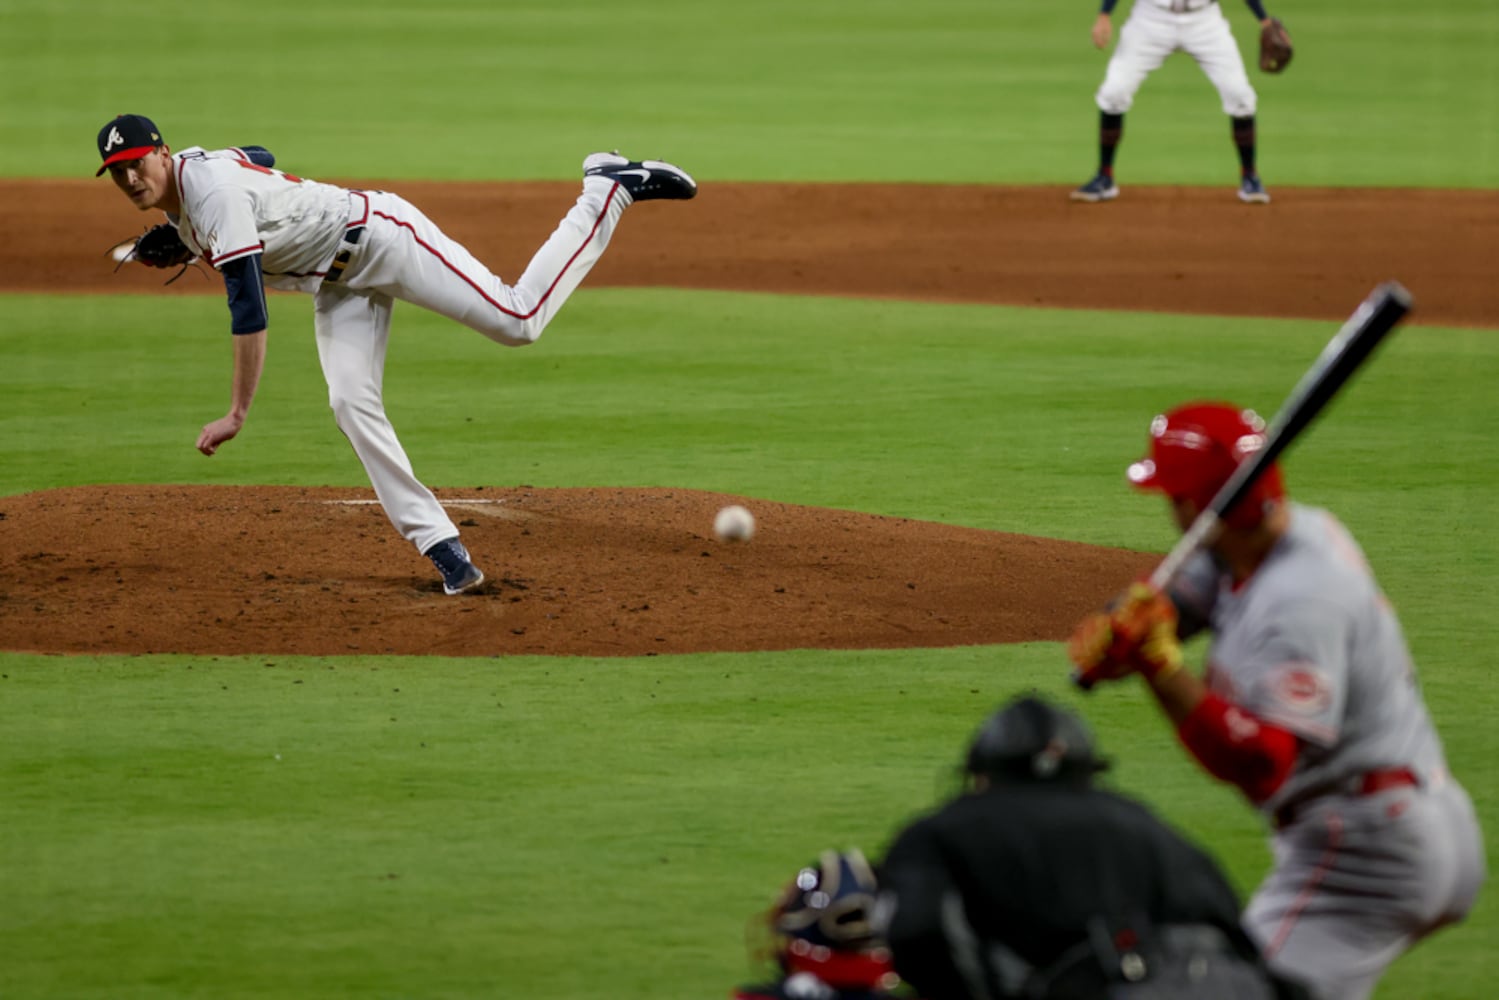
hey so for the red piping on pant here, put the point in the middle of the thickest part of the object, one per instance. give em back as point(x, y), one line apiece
point(545, 295)
point(1324, 864)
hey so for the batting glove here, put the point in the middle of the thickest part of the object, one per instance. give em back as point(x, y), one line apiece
point(1137, 636)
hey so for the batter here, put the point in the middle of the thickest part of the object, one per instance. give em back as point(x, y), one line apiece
point(1154, 30)
point(1310, 705)
point(356, 253)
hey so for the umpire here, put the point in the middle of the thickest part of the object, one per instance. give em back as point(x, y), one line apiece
point(1033, 883)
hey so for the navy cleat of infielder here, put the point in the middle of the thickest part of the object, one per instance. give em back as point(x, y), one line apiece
point(1100, 188)
point(1252, 190)
point(458, 571)
point(643, 180)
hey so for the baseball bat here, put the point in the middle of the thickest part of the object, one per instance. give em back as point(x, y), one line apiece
point(1376, 316)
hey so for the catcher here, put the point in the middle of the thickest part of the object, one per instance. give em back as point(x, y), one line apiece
point(822, 936)
point(357, 252)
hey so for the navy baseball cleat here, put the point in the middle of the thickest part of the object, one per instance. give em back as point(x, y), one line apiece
point(458, 572)
point(1100, 188)
point(1252, 190)
point(644, 180)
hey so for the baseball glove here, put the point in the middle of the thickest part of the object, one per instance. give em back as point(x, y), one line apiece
point(159, 246)
point(1275, 46)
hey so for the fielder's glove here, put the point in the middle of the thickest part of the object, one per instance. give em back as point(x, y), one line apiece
point(1137, 635)
point(159, 246)
point(1275, 46)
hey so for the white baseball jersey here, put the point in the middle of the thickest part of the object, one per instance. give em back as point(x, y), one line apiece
point(1310, 644)
point(1157, 28)
point(360, 251)
point(232, 208)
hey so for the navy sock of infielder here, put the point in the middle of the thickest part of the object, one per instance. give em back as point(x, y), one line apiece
point(1244, 140)
point(1110, 131)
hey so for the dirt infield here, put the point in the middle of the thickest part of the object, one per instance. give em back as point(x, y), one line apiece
point(630, 572)
point(1312, 253)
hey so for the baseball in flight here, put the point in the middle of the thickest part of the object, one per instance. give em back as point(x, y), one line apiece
point(734, 524)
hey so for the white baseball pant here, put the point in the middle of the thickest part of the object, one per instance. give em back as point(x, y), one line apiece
point(404, 255)
point(1152, 33)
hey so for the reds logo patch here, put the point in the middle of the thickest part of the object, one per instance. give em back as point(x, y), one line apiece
point(1302, 690)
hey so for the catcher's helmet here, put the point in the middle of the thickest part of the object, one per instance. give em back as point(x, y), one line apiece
point(823, 924)
point(1194, 450)
point(1032, 740)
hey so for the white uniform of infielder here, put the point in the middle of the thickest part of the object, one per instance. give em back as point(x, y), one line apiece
point(1311, 706)
point(357, 252)
point(1154, 30)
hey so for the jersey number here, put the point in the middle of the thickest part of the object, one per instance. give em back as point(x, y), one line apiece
point(267, 170)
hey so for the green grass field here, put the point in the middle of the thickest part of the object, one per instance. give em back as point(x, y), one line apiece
point(568, 828)
point(945, 90)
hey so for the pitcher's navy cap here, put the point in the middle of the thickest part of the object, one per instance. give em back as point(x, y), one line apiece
point(128, 137)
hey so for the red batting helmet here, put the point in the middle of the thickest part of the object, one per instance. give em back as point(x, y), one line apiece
point(1194, 450)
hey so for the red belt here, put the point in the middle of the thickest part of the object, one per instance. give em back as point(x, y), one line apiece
point(1368, 783)
point(1375, 782)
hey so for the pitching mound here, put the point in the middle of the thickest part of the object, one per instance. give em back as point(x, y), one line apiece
point(599, 572)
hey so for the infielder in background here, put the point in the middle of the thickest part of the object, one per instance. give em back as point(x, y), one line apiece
point(1310, 705)
point(357, 252)
point(1154, 30)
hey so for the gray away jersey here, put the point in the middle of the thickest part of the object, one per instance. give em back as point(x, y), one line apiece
point(1309, 643)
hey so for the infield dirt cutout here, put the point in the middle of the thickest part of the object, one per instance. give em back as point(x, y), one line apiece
point(219, 570)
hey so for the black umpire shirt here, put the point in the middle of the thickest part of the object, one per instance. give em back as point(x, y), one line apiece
point(1033, 862)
